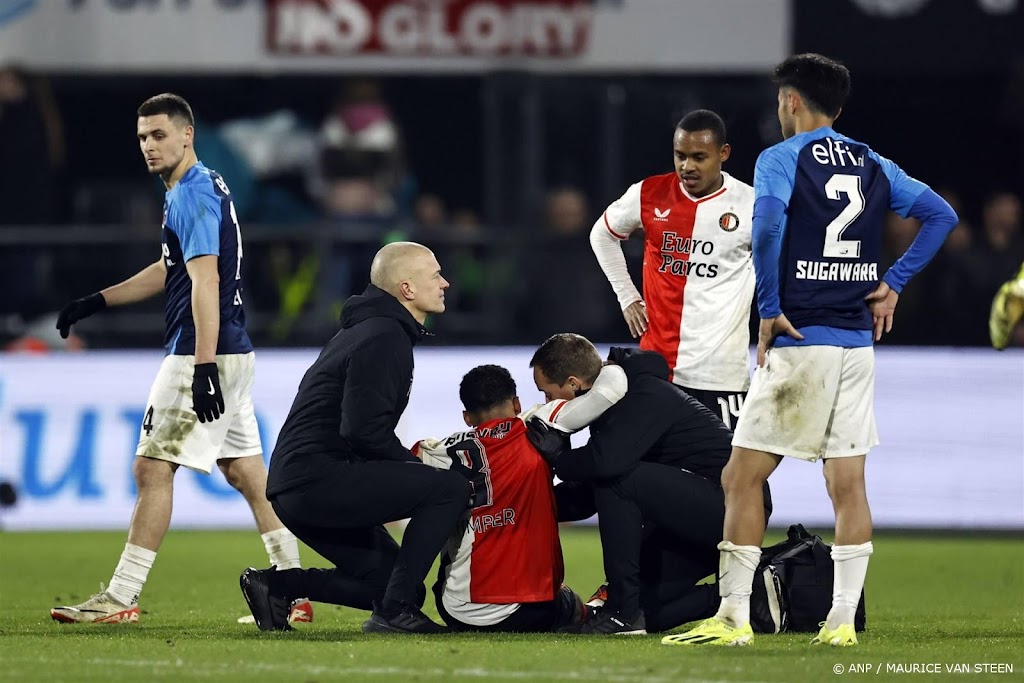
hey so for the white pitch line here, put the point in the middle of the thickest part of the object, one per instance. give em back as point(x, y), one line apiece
point(206, 670)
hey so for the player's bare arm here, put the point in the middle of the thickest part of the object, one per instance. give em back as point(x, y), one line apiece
point(146, 283)
point(207, 397)
point(142, 285)
point(771, 328)
point(202, 270)
point(882, 304)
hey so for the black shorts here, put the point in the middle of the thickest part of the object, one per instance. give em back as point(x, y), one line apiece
point(724, 404)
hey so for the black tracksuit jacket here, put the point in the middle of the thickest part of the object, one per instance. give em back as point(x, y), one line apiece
point(351, 398)
point(655, 422)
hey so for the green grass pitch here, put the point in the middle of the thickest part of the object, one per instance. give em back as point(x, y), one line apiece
point(939, 603)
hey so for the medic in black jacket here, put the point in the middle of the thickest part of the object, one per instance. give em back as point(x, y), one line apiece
point(654, 422)
point(351, 398)
point(652, 471)
point(339, 472)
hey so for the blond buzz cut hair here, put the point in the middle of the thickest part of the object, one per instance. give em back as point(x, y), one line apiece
point(393, 264)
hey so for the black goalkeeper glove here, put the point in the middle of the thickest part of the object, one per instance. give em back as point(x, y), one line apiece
point(549, 442)
point(207, 398)
point(79, 309)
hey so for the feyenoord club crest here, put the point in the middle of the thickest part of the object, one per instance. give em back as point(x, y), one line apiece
point(729, 221)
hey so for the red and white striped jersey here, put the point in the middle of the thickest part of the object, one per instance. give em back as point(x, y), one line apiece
point(698, 276)
point(506, 551)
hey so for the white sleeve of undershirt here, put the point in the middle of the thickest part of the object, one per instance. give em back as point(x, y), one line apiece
point(572, 416)
point(618, 221)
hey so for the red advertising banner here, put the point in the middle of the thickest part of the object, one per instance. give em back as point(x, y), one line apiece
point(436, 28)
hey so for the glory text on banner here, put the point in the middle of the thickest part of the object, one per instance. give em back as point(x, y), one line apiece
point(407, 37)
point(554, 28)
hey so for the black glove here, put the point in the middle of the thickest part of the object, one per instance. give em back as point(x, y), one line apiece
point(549, 442)
point(79, 309)
point(207, 398)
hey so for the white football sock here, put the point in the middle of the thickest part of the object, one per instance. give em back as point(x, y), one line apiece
point(851, 566)
point(282, 548)
point(131, 573)
point(736, 566)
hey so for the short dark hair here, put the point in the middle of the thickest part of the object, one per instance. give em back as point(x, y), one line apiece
point(704, 119)
point(565, 354)
point(168, 103)
point(485, 387)
point(823, 83)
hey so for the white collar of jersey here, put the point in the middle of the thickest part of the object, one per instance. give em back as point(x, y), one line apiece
point(726, 182)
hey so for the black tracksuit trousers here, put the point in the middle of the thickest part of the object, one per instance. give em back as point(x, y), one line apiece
point(341, 516)
point(682, 516)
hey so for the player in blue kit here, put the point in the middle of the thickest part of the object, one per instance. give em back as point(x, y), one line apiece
point(199, 411)
point(820, 201)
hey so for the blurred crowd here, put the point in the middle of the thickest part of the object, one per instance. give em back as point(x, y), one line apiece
point(949, 302)
point(318, 195)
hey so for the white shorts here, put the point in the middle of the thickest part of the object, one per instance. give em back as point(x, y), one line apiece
point(171, 430)
point(811, 402)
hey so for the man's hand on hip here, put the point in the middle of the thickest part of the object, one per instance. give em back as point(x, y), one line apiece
point(769, 329)
point(882, 304)
point(635, 315)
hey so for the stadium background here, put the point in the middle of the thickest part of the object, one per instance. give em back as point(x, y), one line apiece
point(499, 153)
point(500, 157)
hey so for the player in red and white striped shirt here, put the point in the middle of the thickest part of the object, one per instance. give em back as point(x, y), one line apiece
point(698, 272)
point(502, 567)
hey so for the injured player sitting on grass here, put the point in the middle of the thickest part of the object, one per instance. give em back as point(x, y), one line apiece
point(502, 569)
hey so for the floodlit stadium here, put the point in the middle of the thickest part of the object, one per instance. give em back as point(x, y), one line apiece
point(391, 340)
